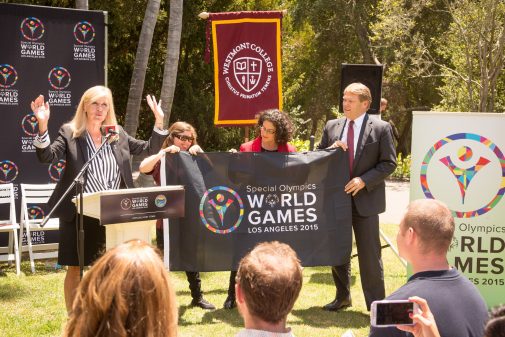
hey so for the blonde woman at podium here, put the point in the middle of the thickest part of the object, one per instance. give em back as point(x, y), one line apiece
point(181, 137)
point(75, 143)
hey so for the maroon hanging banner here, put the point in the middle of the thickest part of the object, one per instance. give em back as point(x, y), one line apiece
point(247, 65)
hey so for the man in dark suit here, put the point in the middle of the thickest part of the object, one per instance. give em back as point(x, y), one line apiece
point(369, 144)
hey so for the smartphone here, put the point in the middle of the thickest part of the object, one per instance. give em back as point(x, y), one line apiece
point(392, 312)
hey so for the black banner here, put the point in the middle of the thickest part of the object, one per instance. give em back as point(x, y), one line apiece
point(58, 53)
point(235, 200)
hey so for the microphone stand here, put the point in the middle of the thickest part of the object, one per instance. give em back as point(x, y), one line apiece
point(79, 189)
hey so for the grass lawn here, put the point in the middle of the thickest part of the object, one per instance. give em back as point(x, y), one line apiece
point(33, 305)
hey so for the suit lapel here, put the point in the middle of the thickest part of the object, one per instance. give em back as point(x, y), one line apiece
point(366, 128)
point(82, 147)
point(116, 151)
point(339, 131)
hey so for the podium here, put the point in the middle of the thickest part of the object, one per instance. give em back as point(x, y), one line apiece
point(131, 213)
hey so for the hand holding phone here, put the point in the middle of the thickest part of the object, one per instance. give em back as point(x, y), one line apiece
point(424, 321)
point(389, 313)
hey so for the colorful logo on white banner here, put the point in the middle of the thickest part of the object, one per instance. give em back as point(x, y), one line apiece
point(464, 165)
point(220, 199)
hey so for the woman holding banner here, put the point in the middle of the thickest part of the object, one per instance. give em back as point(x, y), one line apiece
point(76, 142)
point(181, 137)
point(274, 131)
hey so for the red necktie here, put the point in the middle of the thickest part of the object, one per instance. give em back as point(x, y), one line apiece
point(350, 144)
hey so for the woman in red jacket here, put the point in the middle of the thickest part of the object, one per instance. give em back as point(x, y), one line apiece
point(274, 131)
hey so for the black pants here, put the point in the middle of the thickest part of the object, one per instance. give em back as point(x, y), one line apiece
point(366, 233)
point(195, 283)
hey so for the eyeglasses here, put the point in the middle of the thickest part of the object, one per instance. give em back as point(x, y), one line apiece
point(269, 131)
point(184, 138)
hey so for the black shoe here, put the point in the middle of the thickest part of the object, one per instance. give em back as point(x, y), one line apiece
point(337, 305)
point(202, 303)
point(230, 302)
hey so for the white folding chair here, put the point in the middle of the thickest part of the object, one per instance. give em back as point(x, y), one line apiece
point(11, 252)
point(33, 195)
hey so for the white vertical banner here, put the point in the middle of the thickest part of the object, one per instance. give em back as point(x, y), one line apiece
point(458, 158)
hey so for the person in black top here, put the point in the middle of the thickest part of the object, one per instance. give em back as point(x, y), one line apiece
point(76, 142)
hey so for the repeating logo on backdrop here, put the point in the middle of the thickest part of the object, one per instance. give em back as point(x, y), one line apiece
point(252, 70)
point(30, 125)
point(32, 28)
point(84, 32)
point(221, 210)
point(8, 171)
point(56, 170)
point(9, 76)
point(35, 212)
point(59, 78)
point(464, 166)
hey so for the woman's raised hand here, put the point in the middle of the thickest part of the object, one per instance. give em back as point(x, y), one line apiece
point(156, 109)
point(41, 112)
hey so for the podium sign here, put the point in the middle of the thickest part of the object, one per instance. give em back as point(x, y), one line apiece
point(141, 206)
point(131, 213)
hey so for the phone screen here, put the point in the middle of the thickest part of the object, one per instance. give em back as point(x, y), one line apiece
point(394, 313)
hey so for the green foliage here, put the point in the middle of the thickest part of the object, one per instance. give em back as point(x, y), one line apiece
point(402, 170)
point(301, 145)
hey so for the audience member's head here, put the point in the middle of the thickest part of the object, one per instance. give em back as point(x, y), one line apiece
point(127, 292)
point(496, 325)
point(427, 228)
point(269, 280)
point(383, 105)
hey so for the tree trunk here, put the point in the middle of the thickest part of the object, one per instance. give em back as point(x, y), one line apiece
point(363, 35)
point(140, 67)
point(81, 4)
point(172, 58)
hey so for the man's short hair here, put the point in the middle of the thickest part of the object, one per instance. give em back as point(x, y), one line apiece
point(270, 277)
point(432, 221)
point(359, 89)
point(384, 101)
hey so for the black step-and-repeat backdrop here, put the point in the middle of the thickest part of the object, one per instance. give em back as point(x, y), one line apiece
point(58, 53)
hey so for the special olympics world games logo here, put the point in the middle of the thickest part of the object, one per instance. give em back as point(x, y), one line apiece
point(221, 210)
point(9, 76)
point(35, 212)
point(84, 32)
point(459, 156)
point(56, 170)
point(32, 28)
point(126, 204)
point(59, 78)
point(30, 125)
point(8, 171)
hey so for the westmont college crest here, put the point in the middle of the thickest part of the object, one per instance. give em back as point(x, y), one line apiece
point(221, 210)
point(466, 157)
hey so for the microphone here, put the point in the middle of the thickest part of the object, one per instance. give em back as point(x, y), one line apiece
point(110, 132)
point(311, 143)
